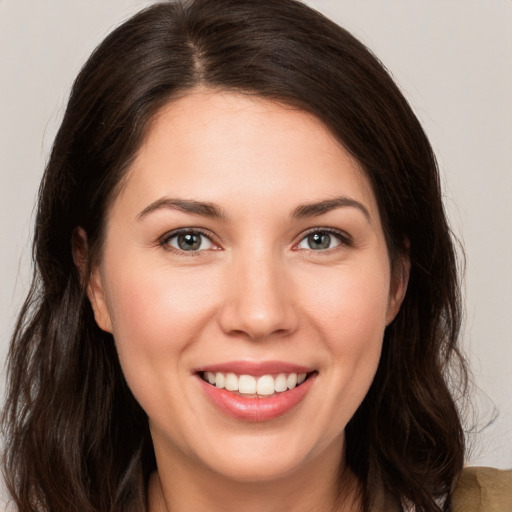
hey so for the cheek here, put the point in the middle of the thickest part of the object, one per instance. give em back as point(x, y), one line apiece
point(156, 315)
point(157, 304)
point(349, 310)
point(349, 304)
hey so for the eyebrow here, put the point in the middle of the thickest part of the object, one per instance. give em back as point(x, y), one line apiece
point(321, 207)
point(211, 210)
point(202, 208)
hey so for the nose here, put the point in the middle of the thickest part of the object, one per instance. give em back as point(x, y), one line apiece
point(259, 303)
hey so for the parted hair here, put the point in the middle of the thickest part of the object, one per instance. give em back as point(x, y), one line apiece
point(75, 438)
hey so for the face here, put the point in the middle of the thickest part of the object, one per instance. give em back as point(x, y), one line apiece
point(247, 284)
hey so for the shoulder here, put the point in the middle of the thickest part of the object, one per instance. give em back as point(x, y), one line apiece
point(483, 490)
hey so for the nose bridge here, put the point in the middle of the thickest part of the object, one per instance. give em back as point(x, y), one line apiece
point(259, 303)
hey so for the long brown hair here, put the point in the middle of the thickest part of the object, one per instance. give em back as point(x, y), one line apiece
point(76, 439)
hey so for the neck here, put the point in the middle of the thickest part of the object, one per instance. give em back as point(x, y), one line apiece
point(321, 485)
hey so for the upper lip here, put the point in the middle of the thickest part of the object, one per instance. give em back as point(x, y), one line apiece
point(255, 368)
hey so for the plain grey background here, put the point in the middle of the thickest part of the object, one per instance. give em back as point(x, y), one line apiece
point(451, 58)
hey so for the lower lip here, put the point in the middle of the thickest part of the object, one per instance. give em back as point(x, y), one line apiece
point(257, 409)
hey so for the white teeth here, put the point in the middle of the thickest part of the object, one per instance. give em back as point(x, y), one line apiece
point(231, 382)
point(291, 381)
point(219, 380)
point(266, 385)
point(280, 383)
point(249, 385)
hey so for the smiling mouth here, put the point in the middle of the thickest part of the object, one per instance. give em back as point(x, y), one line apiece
point(250, 386)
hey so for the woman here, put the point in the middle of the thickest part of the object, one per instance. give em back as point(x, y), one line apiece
point(246, 292)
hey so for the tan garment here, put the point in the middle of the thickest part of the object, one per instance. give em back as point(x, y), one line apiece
point(483, 490)
point(478, 490)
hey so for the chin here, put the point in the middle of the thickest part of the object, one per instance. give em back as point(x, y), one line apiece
point(255, 468)
point(269, 457)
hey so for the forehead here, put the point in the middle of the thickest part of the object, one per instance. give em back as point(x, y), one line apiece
point(222, 146)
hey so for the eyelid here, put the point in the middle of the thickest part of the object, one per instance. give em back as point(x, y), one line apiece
point(164, 240)
point(344, 238)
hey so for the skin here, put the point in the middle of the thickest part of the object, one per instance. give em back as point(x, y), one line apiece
point(254, 291)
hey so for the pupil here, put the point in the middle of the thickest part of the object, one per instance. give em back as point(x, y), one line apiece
point(189, 242)
point(319, 241)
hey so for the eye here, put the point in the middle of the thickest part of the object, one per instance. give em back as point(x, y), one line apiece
point(322, 240)
point(188, 241)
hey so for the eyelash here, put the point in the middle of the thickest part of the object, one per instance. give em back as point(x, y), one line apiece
point(164, 241)
point(343, 238)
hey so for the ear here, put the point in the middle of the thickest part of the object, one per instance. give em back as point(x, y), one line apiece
point(399, 281)
point(90, 277)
